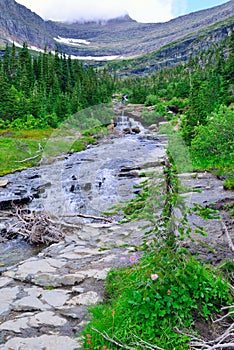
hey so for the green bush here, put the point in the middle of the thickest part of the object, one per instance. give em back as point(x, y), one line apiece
point(213, 145)
point(162, 291)
point(179, 102)
point(151, 100)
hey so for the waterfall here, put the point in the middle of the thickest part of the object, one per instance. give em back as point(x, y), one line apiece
point(127, 124)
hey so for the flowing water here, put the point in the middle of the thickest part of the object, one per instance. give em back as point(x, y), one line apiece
point(87, 182)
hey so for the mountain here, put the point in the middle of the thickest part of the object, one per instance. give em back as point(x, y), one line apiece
point(118, 38)
point(19, 24)
point(128, 38)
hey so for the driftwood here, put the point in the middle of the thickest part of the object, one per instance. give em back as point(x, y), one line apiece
point(36, 228)
point(100, 218)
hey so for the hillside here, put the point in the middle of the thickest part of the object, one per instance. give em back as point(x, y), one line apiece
point(128, 38)
point(19, 24)
point(176, 52)
point(118, 38)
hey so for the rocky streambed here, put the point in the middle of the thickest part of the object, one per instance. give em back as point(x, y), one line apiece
point(44, 297)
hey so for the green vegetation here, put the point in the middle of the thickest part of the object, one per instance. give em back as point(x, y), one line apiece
point(229, 183)
point(161, 293)
point(21, 149)
point(40, 92)
point(213, 144)
point(43, 90)
point(202, 89)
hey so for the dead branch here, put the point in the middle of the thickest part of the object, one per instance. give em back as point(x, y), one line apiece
point(223, 317)
point(26, 159)
point(225, 340)
point(145, 344)
point(63, 223)
point(87, 217)
point(229, 240)
point(227, 307)
point(106, 336)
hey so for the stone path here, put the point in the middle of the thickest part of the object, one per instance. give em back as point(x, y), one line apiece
point(44, 299)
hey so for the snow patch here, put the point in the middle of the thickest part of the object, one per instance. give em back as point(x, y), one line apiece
point(73, 42)
point(87, 58)
point(94, 58)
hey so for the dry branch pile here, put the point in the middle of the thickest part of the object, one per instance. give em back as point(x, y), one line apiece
point(223, 341)
point(36, 228)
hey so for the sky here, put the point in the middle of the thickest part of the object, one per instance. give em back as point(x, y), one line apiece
point(144, 11)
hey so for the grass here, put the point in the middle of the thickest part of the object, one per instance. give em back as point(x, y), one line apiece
point(22, 149)
point(19, 145)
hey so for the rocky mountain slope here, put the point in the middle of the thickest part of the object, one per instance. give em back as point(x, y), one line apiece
point(19, 24)
point(129, 38)
point(118, 38)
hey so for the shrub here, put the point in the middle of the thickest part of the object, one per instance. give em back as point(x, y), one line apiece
point(229, 183)
point(213, 144)
point(162, 291)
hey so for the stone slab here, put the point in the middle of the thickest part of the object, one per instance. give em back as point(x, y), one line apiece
point(47, 342)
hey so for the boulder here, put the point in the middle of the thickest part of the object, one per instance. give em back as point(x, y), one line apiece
point(126, 131)
point(136, 130)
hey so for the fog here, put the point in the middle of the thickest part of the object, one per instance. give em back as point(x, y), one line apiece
point(73, 10)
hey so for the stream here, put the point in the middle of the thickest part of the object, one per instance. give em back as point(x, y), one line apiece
point(88, 182)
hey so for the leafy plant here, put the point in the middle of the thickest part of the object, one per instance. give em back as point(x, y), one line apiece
point(161, 291)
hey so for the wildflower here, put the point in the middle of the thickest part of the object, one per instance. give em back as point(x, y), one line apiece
point(105, 347)
point(122, 259)
point(133, 259)
point(154, 276)
point(168, 292)
point(88, 339)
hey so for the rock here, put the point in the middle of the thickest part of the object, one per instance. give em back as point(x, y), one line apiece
point(34, 266)
point(163, 123)
point(172, 109)
point(77, 290)
point(9, 202)
point(126, 131)
point(136, 130)
point(29, 303)
point(55, 298)
point(51, 280)
point(15, 326)
point(4, 281)
point(97, 274)
point(46, 342)
point(47, 318)
point(8, 295)
point(76, 312)
point(153, 127)
point(88, 298)
point(3, 183)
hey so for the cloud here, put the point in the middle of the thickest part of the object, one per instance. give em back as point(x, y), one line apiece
point(179, 7)
point(140, 10)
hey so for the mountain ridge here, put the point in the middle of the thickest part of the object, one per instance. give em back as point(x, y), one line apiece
point(121, 37)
